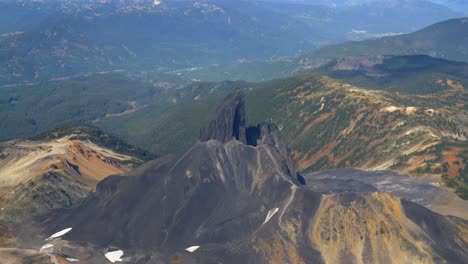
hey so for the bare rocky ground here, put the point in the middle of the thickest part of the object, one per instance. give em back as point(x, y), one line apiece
point(416, 190)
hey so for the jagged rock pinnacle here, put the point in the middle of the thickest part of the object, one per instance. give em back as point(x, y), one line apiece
point(229, 122)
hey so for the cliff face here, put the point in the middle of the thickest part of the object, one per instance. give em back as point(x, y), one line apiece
point(236, 195)
point(229, 122)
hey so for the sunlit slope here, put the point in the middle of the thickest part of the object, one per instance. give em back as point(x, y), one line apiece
point(39, 175)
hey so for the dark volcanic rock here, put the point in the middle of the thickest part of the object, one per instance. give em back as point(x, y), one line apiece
point(218, 195)
point(229, 122)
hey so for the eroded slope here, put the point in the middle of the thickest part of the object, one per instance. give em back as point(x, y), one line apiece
point(37, 176)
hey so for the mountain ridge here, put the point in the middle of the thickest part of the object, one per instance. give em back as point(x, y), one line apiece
point(79, 37)
point(55, 170)
point(331, 124)
point(212, 201)
point(436, 40)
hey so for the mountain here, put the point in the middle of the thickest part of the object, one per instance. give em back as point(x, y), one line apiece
point(165, 37)
point(413, 74)
point(67, 38)
point(359, 20)
point(445, 40)
point(328, 124)
point(57, 169)
point(234, 196)
point(405, 74)
point(437, 41)
point(429, 103)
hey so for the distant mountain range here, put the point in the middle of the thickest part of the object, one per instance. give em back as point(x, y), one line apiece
point(42, 40)
point(358, 22)
point(412, 74)
point(154, 38)
point(447, 40)
point(456, 5)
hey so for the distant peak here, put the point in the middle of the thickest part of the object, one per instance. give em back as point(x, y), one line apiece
point(230, 120)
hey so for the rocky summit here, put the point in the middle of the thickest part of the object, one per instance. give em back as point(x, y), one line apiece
point(235, 197)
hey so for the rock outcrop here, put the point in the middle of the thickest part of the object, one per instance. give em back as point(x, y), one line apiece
point(229, 122)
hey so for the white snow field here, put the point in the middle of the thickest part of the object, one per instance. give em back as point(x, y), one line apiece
point(192, 249)
point(114, 256)
point(60, 233)
point(270, 214)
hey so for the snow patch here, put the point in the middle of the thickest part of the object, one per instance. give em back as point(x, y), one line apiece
point(114, 256)
point(60, 233)
point(270, 214)
point(72, 259)
point(48, 248)
point(221, 172)
point(322, 106)
point(192, 249)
